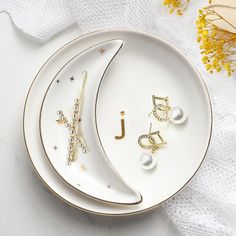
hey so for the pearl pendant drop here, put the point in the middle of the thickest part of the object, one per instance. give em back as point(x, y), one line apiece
point(177, 116)
point(147, 161)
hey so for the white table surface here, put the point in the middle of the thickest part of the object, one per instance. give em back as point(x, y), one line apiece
point(26, 206)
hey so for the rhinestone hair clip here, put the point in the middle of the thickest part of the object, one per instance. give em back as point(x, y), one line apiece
point(76, 140)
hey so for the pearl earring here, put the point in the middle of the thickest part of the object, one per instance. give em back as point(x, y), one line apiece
point(163, 112)
point(149, 142)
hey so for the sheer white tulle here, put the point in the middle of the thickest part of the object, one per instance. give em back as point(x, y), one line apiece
point(207, 206)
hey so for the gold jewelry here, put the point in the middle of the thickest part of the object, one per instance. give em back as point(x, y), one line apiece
point(76, 138)
point(151, 143)
point(161, 108)
point(163, 112)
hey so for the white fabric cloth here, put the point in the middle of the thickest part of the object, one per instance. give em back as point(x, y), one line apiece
point(207, 206)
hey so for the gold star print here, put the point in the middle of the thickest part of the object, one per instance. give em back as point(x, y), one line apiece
point(102, 50)
point(60, 122)
point(83, 167)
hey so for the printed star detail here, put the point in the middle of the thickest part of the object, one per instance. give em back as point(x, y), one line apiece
point(55, 147)
point(60, 122)
point(58, 81)
point(102, 50)
point(72, 78)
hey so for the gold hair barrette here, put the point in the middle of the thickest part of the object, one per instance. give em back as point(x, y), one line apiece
point(76, 139)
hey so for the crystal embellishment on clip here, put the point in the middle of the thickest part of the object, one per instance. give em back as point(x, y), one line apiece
point(76, 140)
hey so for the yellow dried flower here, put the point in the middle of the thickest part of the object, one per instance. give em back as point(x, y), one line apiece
point(178, 6)
point(218, 47)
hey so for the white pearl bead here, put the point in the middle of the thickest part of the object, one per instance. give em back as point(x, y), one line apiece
point(147, 161)
point(67, 125)
point(177, 115)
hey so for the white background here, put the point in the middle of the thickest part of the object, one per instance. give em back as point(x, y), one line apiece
point(26, 206)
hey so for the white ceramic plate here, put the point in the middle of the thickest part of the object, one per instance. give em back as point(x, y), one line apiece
point(91, 173)
point(176, 77)
point(147, 68)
